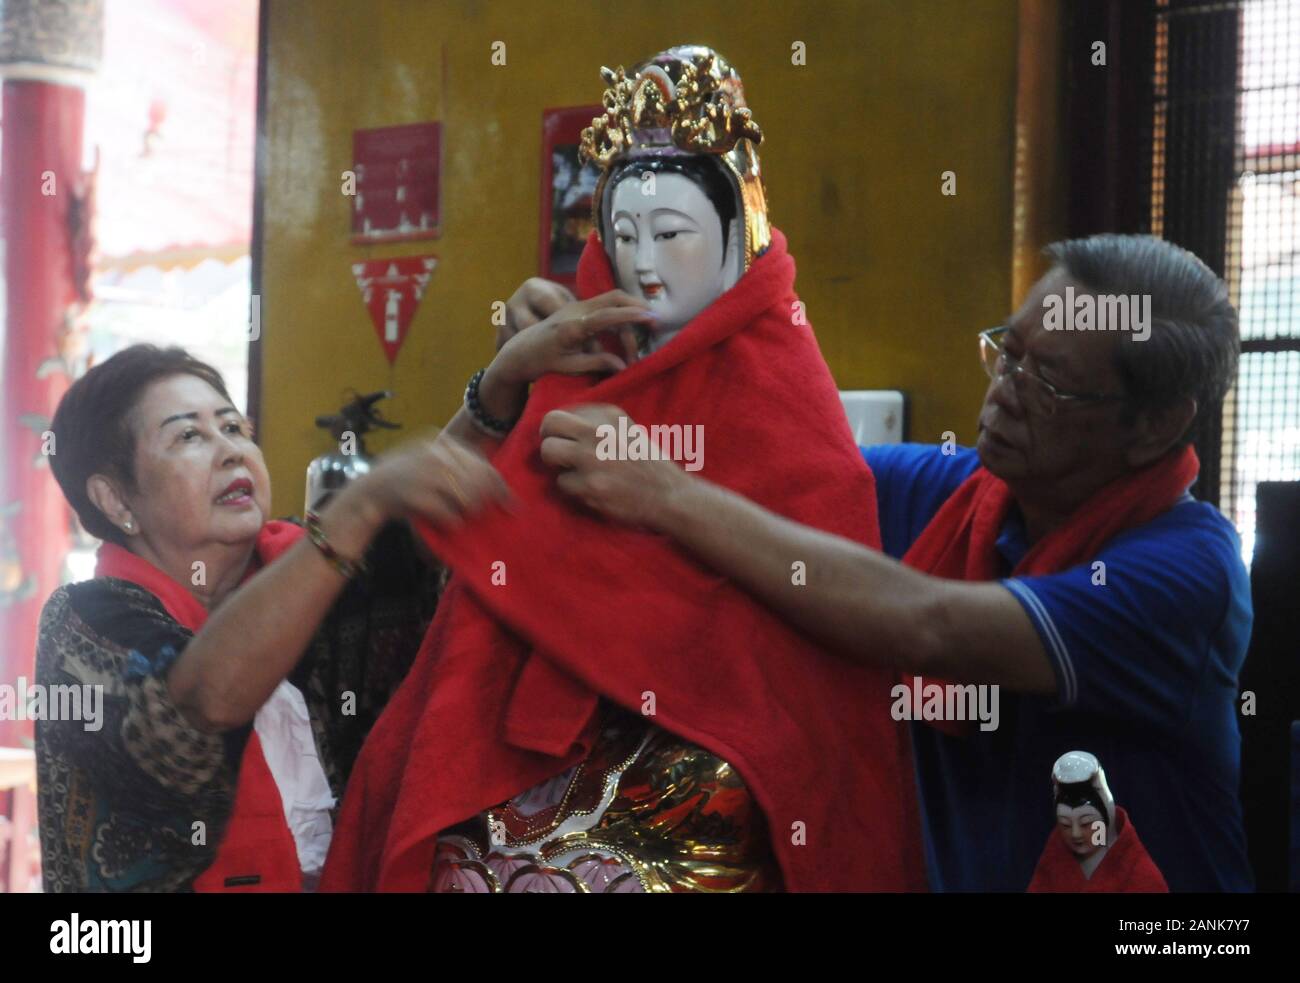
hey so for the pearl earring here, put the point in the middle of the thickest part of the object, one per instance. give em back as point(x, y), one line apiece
point(130, 525)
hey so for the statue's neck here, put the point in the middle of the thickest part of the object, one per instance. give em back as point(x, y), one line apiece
point(652, 341)
point(1089, 864)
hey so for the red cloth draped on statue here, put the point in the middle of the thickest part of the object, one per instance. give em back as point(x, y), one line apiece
point(553, 607)
point(257, 851)
point(960, 542)
point(1127, 868)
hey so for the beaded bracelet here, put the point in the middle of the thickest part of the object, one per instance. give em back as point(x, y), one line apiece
point(348, 568)
point(484, 420)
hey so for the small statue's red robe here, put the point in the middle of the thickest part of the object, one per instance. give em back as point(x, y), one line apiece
point(1127, 868)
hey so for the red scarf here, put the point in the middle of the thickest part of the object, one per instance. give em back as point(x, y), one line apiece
point(257, 852)
point(960, 542)
point(1127, 868)
point(504, 692)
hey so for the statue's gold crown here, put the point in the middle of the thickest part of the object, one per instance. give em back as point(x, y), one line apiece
point(686, 100)
point(702, 111)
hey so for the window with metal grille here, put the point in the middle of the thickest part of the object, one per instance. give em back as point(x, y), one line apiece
point(1192, 132)
point(1262, 422)
point(1225, 183)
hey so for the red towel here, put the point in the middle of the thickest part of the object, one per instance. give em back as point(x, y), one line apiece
point(504, 692)
point(1127, 868)
point(961, 540)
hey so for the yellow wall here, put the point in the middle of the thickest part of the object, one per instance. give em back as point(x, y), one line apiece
point(897, 277)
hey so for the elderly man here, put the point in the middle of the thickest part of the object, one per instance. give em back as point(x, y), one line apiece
point(1061, 560)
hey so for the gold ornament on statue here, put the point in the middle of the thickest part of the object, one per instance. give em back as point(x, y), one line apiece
point(703, 111)
point(686, 101)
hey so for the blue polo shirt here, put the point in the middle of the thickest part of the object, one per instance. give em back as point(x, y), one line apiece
point(1146, 670)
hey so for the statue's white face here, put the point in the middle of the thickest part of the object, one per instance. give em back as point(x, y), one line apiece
point(668, 248)
point(1082, 828)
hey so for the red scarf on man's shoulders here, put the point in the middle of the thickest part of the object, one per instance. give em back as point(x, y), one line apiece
point(553, 608)
point(960, 542)
point(257, 851)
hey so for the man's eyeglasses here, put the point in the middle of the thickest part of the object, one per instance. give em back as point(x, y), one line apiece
point(1038, 395)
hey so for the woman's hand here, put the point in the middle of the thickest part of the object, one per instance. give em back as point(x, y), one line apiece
point(566, 341)
point(441, 480)
point(534, 301)
point(546, 331)
point(255, 637)
point(633, 491)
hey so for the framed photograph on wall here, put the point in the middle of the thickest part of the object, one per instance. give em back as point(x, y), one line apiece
point(567, 189)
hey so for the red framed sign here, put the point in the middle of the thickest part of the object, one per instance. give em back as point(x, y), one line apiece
point(398, 190)
point(566, 192)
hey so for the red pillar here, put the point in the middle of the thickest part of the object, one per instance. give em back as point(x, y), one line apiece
point(45, 58)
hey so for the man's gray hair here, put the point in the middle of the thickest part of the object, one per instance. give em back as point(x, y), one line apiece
point(1194, 343)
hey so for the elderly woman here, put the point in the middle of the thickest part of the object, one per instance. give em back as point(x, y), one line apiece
point(237, 690)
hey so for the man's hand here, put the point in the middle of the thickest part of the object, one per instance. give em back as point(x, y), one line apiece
point(865, 604)
point(637, 492)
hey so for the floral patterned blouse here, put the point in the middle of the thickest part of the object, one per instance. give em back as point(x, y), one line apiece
point(140, 804)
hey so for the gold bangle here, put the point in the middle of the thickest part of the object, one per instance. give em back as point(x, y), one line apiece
point(455, 487)
point(348, 568)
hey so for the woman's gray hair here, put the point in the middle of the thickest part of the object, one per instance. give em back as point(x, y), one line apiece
point(1194, 341)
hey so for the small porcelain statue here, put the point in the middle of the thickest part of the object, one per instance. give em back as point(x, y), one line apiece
point(1095, 848)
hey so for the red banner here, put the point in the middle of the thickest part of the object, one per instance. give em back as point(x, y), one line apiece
point(391, 290)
